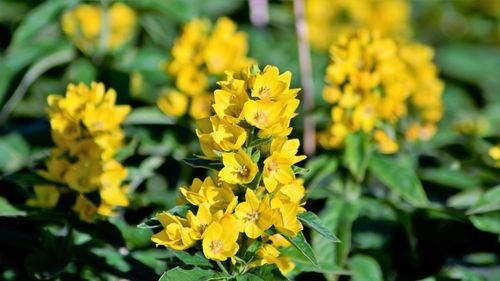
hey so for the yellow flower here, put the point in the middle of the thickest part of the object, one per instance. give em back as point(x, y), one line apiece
point(262, 114)
point(238, 168)
point(374, 83)
point(270, 85)
point(191, 81)
point(286, 221)
point(173, 103)
point(85, 24)
point(494, 153)
point(386, 144)
point(201, 106)
point(177, 233)
point(268, 254)
point(217, 134)
point(229, 102)
point(86, 130)
point(85, 209)
point(217, 197)
point(219, 240)
point(46, 196)
point(202, 219)
point(328, 18)
point(278, 166)
point(226, 49)
point(257, 215)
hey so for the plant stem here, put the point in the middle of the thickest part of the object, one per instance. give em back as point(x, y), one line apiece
point(259, 15)
point(222, 267)
point(306, 76)
point(60, 57)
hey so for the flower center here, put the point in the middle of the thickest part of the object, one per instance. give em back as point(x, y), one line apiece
point(272, 166)
point(252, 216)
point(242, 171)
point(216, 246)
point(260, 117)
point(264, 91)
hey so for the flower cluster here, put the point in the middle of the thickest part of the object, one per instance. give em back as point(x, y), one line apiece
point(255, 195)
point(200, 54)
point(86, 131)
point(93, 29)
point(328, 18)
point(375, 84)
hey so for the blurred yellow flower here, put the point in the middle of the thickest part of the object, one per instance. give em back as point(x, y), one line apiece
point(86, 130)
point(374, 83)
point(93, 29)
point(173, 103)
point(201, 53)
point(327, 19)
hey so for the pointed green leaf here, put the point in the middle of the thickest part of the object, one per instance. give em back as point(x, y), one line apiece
point(488, 202)
point(195, 274)
point(300, 242)
point(204, 163)
point(311, 220)
point(7, 210)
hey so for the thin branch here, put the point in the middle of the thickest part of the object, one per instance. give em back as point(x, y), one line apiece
point(306, 77)
point(33, 73)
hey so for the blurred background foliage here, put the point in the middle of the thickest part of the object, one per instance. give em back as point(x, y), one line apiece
point(454, 235)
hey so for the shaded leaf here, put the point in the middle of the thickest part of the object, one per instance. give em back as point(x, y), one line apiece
point(398, 177)
point(365, 268)
point(301, 244)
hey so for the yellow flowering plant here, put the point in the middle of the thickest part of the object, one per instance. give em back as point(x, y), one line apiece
point(97, 29)
point(383, 89)
point(86, 131)
point(326, 19)
point(244, 216)
point(200, 56)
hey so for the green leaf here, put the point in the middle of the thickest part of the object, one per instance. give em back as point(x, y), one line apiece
point(300, 171)
point(267, 272)
point(258, 141)
point(38, 19)
point(82, 70)
point(7, 210)
point(204, 163)
point(14, 151)
point(356, 154)
point(248, 277)
point(198, 259)
point(300, 242)
point(148, 115)
point(489, 222)
point(365, 268)
point(399, 177)
point(180, 210)
point(256, 156)
point(311, 220)
point(488, 202)
point(195, 274)
point(152, 223)
point(452, 178)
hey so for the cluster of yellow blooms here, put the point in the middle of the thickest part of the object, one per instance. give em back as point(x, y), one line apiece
point(375, 84)
point(86, 131)
point(200, 54)
point(328, 18)
point(256, 190)
point(92, 28)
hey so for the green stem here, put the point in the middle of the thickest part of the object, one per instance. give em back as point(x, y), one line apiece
point(222, 267)
point(60, 57)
